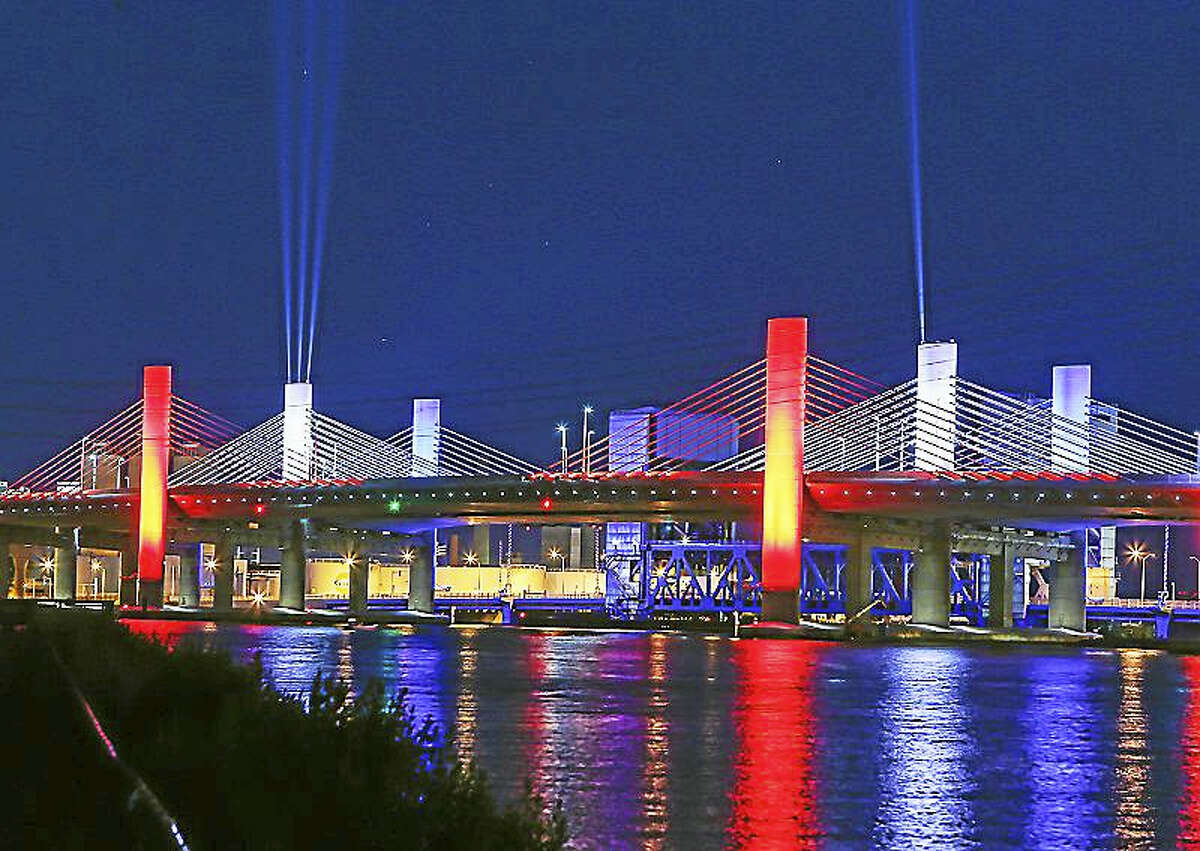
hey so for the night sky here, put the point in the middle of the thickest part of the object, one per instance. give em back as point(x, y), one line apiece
point(533, 208)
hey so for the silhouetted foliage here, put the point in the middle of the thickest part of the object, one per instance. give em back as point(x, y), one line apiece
point(240, 765)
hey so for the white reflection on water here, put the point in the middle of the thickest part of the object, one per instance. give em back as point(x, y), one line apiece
point(926, 749)
point(1134, 820)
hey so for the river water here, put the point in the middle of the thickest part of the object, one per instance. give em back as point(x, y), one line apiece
point(655, 740)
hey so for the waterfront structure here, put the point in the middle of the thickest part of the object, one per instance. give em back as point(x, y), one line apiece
point(811, 488)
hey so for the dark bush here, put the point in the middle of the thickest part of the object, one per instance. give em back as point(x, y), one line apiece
point(240, 765)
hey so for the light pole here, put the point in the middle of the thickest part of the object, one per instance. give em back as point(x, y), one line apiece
point(1136, 553)
point(561, 428)
point(587, 442)
point(556, 553)
point(1144, 558)
point(1197, 560)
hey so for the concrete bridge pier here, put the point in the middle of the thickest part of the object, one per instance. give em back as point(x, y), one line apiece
point(931, 578)
point(420, 576)
point(127, 594)
point(8, 568)
point(66, 568)
point(481, 543)
point(293, 566)
point(1000, 588)
point(223, 550)
point(189, 575)
point(1067, 589)
point(359, 567)
point(857, 578)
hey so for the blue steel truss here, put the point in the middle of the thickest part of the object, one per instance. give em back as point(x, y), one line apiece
point(713, 577)
point(701, 577)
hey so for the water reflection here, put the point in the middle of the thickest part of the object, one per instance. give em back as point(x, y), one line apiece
point(1067, 750)
point(657, 770)
point(925, 750)
point(668, 741)
point(1134, 826)
point(774, 789)
point(1189, 748)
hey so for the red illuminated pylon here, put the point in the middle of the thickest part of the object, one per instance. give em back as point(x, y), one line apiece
point(783, 480)
point(152, 504)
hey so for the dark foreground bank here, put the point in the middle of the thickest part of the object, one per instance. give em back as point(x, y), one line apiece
point(234, 763)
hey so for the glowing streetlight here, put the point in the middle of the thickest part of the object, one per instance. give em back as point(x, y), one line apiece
point(561, 428)
point(587, 441)
point(471, 559)
point(407, 556)
point(556, 553)
point(1136, 553)
point(1197, 560)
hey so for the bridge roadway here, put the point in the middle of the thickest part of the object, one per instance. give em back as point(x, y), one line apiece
point(931, 515)
point(1024, 500)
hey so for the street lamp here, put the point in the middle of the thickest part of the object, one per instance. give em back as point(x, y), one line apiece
point(1197, 560)
point(1137, 553)
point(587, 441)
point(561, 428)
point(557, 553)
point(471, 559)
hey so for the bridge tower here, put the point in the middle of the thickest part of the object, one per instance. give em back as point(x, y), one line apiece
point(783, 480)
point(426, 427)
point(934, 440)
point(297, 431)
point(1070, 452)
point(156, 464)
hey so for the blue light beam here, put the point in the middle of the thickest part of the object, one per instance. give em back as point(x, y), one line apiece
point(914, 129)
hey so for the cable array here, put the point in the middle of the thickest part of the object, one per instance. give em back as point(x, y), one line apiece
point(458, 454)
point(718, 420)
point(985, 430)
point(101, 459)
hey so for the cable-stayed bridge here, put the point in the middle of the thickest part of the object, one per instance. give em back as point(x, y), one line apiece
point(815, 486)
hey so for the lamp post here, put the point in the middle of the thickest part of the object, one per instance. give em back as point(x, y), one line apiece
point(1136, 553)
point(561, 428)
point(587, 443)
point(1197, 560)
point(556, 553)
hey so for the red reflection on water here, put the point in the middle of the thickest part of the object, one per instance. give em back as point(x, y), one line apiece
point(1189, 747)
point(774, 796)
point(165, 632)
point(533, 717)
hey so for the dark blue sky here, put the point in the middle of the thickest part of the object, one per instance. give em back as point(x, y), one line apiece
point(533, 208)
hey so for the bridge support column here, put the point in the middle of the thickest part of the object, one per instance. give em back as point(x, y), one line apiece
point(223, 551)
point(1000, 589)
point(1067, 603)
point(66, 569)
point(420, 577)
point(156, 463)
point(189, 575)
point(293, 567)
point(359, 567)
point(8, 568)
point(481, 543)
point(857, 578)
point(783, 480)
point(127, 594)
point(931, 578)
